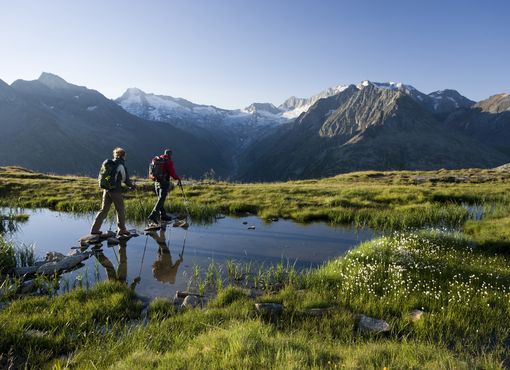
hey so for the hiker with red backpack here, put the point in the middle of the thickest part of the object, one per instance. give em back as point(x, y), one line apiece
point(160, 171)
point(112, 175)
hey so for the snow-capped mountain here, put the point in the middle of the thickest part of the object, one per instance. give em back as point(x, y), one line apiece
point(367, 126)
point(441, 101)
point(293, 107)
point(181, 111)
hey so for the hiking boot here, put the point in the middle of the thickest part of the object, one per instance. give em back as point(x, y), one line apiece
point(166, 218)
point(123, 233)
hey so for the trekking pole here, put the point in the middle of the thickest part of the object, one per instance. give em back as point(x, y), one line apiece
point(143, 256)
point(185, 201)
point(183, 243)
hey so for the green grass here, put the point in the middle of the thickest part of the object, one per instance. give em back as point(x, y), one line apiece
point(36, 330)
point(464, 292)
point(7, 256)
point(380, 200)
point(461, 280)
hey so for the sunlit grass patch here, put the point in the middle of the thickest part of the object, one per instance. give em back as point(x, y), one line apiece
point(252, 344)
point(464, 292)
point(38, 329)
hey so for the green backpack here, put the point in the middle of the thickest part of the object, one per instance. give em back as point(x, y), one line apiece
point(107, 175)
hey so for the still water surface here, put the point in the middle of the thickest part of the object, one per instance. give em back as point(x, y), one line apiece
point(155, 259)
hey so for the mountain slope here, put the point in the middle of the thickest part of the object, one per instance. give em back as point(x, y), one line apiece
point(364, 128)
point(487, 121)
point(54, 126)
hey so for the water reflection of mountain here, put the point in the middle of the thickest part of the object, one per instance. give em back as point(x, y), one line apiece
point(163, 268)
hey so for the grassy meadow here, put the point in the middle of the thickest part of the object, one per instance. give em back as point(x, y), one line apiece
point(456, 271)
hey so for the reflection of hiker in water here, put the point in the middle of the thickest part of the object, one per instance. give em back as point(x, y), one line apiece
point(121, 273)
point(162, 268)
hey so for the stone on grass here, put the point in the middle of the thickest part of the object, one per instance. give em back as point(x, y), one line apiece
point(252, 292)
point(371, 325)
point(191, 301)
point(35, 333)
point(28, 287)
point(269, 308)
point(184, 294)
point(320, 311)
point(415, 315)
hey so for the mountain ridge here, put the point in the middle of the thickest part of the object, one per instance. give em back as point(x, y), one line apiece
point(371, 125)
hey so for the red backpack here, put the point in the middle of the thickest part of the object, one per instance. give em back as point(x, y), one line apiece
point(157, 169)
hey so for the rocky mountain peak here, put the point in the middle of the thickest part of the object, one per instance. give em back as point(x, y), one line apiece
point(53, 81)
point(293, 106)
point(262, 107)
point(6, 92)
point(495, 104)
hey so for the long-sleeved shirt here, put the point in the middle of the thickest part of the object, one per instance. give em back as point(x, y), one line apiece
point(169, 167)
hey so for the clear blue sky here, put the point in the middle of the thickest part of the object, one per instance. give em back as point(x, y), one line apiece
point(231, 53)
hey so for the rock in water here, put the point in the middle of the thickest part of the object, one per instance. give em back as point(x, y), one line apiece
point(54, 257)
point(67, 263)
point(369, 324)
point(96, 238)
point(90, 239)
point(112, 241)
point(29, 270)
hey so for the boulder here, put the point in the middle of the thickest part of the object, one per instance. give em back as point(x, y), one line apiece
point(371, 325)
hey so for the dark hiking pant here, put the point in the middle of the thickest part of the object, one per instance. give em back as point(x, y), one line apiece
point(117, 199)
point(162, 189)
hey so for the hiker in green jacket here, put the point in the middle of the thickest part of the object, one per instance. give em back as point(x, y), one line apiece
point(113, 194)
